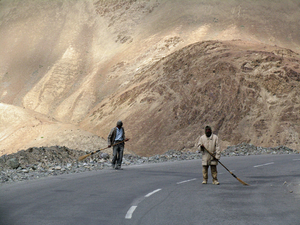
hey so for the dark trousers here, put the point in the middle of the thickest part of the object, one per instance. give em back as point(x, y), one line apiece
point(118, 154)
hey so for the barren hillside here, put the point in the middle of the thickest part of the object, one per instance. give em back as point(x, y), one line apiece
point(82, 65)
point(246, 92)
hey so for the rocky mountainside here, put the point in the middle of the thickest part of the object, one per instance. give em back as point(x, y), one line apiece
point(246, 95)
point(70, 69)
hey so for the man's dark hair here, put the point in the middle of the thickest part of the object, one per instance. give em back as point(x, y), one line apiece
point(120, 123)
point(207, 127)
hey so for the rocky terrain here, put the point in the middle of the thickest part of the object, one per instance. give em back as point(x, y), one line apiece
point(35, 163)
point(70, 69)
point(247, 92)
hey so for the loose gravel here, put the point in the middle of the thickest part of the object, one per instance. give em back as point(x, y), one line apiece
point(35, 163)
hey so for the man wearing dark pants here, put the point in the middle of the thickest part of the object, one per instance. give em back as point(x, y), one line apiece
point(117, 138)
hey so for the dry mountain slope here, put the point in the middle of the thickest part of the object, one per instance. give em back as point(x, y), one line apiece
point(247, 92)
point(28, 128)
point(63, 59)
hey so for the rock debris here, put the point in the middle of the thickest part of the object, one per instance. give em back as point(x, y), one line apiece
point(35, 163)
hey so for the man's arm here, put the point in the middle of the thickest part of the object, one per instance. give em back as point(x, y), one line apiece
point(124, 138)
point(109, 137)
point(200, 144)
point(218, 152)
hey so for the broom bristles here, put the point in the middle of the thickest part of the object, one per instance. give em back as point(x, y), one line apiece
point(244, 183)
point(83, 157)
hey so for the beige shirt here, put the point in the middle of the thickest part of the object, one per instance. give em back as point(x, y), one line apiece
point(212, 145)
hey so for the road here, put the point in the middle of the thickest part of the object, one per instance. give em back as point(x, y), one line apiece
point(164, 193)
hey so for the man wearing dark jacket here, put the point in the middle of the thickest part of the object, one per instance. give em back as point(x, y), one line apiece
point(117, 138)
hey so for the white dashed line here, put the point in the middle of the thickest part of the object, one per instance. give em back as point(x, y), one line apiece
point(181, 182)
point(264, 164)
point(132, 208)
point(151, 193)
point(296, 159)
point(130, 212)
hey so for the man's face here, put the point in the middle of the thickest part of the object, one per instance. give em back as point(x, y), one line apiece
point(208, 132)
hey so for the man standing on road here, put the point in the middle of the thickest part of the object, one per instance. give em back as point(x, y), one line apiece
point(210, 142)
point(117, 135)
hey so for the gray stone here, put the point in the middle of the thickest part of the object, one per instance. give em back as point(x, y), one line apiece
point(13, 163)
point(104, 156)
point(61, 160)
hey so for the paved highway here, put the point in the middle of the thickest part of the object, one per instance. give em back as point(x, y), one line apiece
point(165, 193)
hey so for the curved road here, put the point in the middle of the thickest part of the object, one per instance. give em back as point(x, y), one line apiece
point(165, 193)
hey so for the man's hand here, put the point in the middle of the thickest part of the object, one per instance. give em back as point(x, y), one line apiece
point(202, 147)
point(109, 146)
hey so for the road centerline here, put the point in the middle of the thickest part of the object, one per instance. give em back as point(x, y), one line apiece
point(185, 181)
point(133, 207)
point(266, 164)
point(130, 212)
point(151, 193)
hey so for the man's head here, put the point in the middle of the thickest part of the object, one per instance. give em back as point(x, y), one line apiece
point(119, 124)
point(208, 131)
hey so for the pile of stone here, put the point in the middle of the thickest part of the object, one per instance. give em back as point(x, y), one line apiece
point(40, 162)
point(47, 161)
point(245, 149)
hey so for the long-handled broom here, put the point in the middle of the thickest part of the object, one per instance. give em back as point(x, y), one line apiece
point(87, 155)
point(244, 183)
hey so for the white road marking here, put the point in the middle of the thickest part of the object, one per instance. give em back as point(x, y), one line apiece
point(295, 159)
point(132, 208)
point(264, 164)
point(130, 212)
point(181, 182)
point(151, 193)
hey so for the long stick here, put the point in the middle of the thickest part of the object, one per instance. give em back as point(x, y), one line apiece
point(87, 155)
point(244, 183)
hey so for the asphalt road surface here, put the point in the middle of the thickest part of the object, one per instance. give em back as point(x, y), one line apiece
point(165, 193)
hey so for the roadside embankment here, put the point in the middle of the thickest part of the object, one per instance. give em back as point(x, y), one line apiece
point(35, 163)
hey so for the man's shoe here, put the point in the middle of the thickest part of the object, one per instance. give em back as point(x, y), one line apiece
point(215, 182)
point(113, 166)
point(204, 182)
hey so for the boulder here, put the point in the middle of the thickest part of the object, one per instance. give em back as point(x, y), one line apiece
point(13, 163)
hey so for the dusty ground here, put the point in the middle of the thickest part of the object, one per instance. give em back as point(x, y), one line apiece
point(70, 69)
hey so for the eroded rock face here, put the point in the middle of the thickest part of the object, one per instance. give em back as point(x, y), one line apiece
point(247, 93)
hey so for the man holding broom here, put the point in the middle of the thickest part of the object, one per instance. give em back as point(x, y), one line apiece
point(209, 142)
point(116, 138)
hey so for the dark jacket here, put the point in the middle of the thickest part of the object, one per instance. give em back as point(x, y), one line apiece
point(112, 135)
